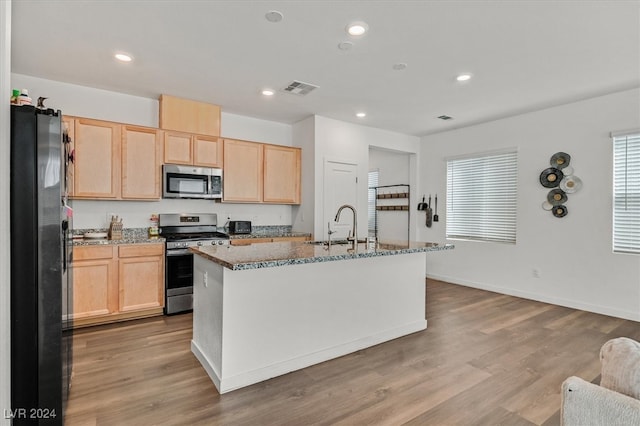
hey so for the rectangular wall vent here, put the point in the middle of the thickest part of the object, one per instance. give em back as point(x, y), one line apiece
point(445, 117)
point(300, 88)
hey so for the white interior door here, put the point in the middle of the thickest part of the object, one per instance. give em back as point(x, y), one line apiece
point(340, 187)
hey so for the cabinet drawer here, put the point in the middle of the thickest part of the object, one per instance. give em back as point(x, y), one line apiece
point(93, 252)
point(137, 250)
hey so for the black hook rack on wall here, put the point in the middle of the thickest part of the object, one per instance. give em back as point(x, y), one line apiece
point(403, 193)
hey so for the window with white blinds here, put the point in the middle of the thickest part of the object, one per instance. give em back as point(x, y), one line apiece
point(371, 212)
point(482, 197)
point(626, 193)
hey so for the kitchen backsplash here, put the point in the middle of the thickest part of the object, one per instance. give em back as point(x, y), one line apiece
point(129, 233)
point(136, 214)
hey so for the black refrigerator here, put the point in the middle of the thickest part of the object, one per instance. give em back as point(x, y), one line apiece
point(41, 296)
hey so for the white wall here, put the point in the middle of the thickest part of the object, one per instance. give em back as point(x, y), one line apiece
point(573, 254)
point(393, 169)
point(340, 141)
point(303, 134)
point(104, 105)
point(5, 248)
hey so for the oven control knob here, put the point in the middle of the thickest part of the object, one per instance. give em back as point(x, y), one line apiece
point(199, 243)
point(221, 242)
point(184, 245)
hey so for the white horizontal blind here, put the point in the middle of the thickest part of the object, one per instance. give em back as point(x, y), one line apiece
point(626, 193)
point(482, 197)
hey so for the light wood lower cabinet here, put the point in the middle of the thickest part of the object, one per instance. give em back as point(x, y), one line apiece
point(280, 239)
point(141, 277)
point(117, 282)
point(94, 274)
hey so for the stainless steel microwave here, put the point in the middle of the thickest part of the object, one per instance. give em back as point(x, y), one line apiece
point(191, 182)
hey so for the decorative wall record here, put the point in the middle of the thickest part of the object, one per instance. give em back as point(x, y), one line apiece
point(559, 178)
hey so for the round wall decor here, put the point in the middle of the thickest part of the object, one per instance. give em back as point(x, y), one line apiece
point(551, 177)
point(560, 179)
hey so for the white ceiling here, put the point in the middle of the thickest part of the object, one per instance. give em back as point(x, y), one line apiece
point(524, 55)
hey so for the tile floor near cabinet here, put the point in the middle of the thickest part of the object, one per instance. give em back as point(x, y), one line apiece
point(485, 359)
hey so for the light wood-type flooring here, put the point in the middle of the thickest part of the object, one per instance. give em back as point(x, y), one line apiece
point(485, 359)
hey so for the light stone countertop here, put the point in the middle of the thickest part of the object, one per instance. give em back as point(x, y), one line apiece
point(125, 240)
point(267, 255)
point(269, 235)
point(129, 236)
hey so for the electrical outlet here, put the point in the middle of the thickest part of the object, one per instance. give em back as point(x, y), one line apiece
point(205, 279)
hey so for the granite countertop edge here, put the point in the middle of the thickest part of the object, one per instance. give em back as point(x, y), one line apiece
point(269, 235)
point(106, 242)
point(258, 264)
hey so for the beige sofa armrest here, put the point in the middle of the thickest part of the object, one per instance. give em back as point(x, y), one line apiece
point(586, 404)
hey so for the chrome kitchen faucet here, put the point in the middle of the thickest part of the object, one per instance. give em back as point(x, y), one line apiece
point(353, 234)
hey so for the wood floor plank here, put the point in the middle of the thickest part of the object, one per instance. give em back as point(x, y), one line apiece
point(485, 359)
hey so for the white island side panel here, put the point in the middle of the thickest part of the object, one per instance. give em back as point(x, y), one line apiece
point(277, 320)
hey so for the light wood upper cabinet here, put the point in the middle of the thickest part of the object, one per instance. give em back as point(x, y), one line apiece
point(207, 151)
point(189, 116)
point(177, 148)
point(141, 277)
point(97, 159)
point(243, 168)
point(68, 126)
point(261, 173)
point(114, 161)
point(141, 163)
point(192, 150)
point(281, 174)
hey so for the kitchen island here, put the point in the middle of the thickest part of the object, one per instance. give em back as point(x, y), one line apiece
point(264, 310)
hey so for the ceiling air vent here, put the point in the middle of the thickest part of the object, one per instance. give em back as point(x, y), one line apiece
point(445, 117)
point(299, 88)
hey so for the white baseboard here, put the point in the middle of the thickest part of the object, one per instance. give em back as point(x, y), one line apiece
point(226, 384)
point(206, 364)
point(598, 309)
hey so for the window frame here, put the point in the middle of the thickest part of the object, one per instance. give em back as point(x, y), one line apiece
point(623, 241)
point(487, 172)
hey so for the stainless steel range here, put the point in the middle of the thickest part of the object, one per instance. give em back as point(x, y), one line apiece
point(184, 230)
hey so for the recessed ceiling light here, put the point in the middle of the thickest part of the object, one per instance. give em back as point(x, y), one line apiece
point(464, 77)
point(361, 114)
point(123, 57)
point(273, 16)
point(400, 66)
point(268, 92)
point(357, 28)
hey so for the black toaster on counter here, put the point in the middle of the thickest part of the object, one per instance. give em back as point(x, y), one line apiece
point(240, 227)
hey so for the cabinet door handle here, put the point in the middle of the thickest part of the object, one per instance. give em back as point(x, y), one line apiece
point(180, 252)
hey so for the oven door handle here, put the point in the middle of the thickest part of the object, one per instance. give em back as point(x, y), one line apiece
point(178, 252)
